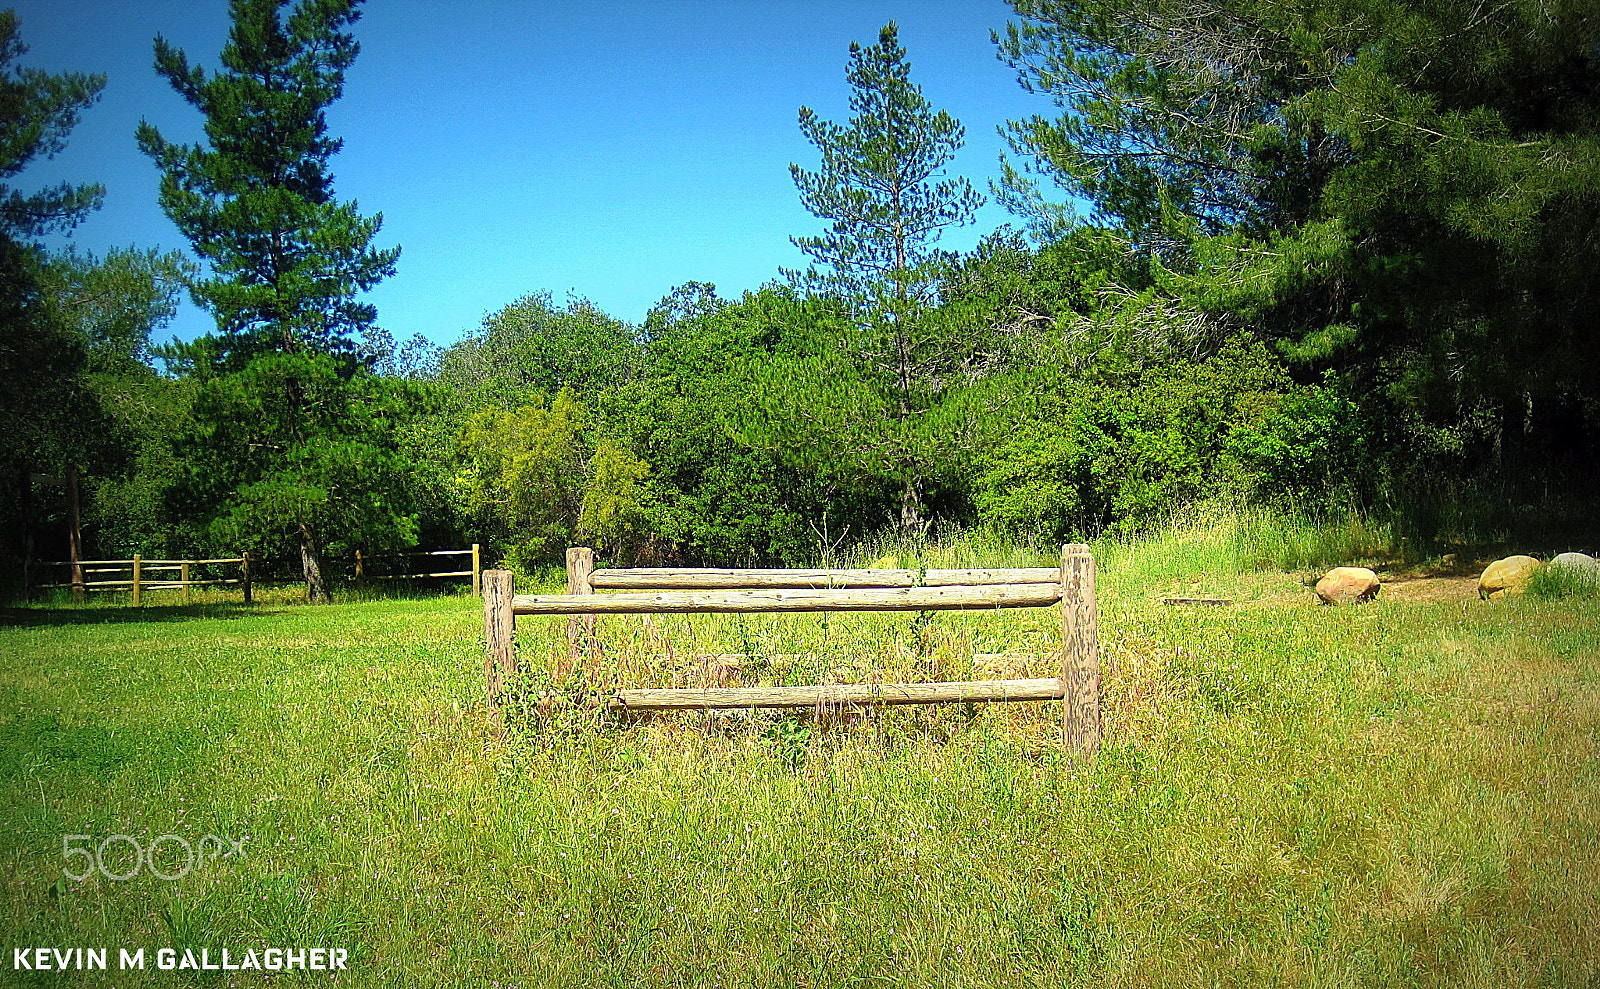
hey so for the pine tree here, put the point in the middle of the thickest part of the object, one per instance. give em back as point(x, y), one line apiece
point(287, 262)
point(879, 185)
point(43, 427)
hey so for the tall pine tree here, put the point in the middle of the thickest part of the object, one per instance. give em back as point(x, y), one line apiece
point(879, 184)
point(289, 450)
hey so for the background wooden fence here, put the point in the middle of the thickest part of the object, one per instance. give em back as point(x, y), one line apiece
point(363, 561)
point(139, 575)
point(717, 591)
point(148, 575)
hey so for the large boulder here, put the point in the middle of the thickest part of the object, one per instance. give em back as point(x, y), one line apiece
point(1348, 585)
point(1507, 577)
point(1580, 565)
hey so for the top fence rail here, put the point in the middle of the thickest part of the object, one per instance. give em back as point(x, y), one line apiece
point(667, 579)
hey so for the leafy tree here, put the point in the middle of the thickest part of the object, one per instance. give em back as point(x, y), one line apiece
point(1116, 443)
point(110, 307)
point(617, 501)
point(879, 185)
point(523, 469)
point(114, 304)
point(288, 261)
point(533, 346)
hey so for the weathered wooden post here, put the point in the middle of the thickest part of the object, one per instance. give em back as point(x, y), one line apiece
point(244, 578)
point(138, 561)
point(499, 627)
point(477, 572)
point(183, 575)
point(1080, 653)
point(580, 628)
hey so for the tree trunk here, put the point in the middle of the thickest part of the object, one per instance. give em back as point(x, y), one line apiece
point(911, 505)
point(311, 566)
point(25, 489)
point(74, 533)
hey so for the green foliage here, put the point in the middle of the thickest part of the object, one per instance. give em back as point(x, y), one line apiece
point(617, 501)
point(1122, 445)
point(295, 446)
point(1311, 442)
point(877, 185)
point(1368, 185)
point(37, 112)
point(46, 417)
point(726, 488)
point(115, 303)
point(523, 473)
point(532, 346)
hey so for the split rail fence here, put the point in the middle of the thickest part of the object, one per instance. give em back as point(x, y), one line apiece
point(87, 576)
point(476, 573)
point(644, 591)
point(139, 575)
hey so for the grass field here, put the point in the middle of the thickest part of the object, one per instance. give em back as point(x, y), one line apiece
point(1396, 794)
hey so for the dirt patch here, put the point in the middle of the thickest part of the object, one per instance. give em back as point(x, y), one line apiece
point(1431, 589)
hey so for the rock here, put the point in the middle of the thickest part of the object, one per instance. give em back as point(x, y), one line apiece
point(1348, 585)
point(1580, 565)
point(1506, 577)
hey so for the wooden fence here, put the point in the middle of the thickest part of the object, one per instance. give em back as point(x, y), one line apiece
point(140, 575)
point(476, 573)
point(139, 579)
point(715, 591)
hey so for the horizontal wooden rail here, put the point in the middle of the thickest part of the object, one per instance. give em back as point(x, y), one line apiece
point(838, 694)
point(747, 602)
point(125, 564)
point(662, 578)
point(146, 584)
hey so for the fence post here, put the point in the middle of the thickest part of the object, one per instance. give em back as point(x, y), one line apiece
point(477, 572)
point(138, 561)
point(580, 628)
point(361, 572)
point(244, 561)
point(183, 575)
point(1080, 653)
point(499, 625)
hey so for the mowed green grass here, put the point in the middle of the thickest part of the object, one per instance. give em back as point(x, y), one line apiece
point(1402, 793)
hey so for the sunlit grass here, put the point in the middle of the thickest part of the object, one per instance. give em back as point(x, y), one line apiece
point(1396, 793)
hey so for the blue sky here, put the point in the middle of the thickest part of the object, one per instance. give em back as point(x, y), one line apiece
point(610, 150)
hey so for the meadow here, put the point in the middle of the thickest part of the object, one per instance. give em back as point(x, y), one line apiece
point(1400, 793)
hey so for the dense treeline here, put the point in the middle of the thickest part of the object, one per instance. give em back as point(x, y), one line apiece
point(1340, 256)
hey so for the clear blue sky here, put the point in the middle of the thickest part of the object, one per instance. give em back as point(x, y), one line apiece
point(610, 150)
